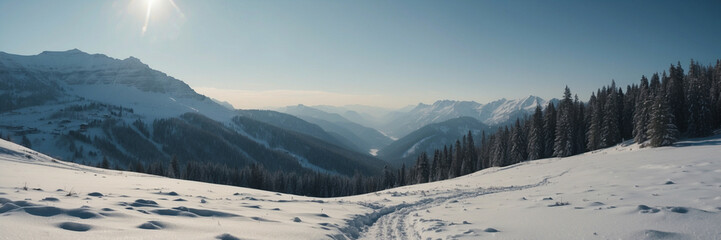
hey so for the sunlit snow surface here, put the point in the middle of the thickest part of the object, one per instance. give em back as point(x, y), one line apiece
point(617, 193)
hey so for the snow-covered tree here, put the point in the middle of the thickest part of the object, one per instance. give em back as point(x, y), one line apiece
point(661, 130)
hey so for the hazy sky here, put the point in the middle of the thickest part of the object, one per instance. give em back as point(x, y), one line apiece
point(385, 53)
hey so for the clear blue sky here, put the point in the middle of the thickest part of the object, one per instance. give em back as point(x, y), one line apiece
point(388, 53)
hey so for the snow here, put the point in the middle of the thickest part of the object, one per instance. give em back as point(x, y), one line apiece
point(623, 192)
point(373, 152)
point(151, 105)
point(415, 146)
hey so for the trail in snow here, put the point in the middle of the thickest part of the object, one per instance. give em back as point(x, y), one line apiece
point(395, 222)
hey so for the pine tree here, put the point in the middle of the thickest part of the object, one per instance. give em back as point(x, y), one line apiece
point(610, 133)
point(563, 145)
point(579, 127)
point(697, 98)
point(629, 106)
point(445, 163)
point(535, 135)
point(105, 164)
point(422, 170)
point(676, 95)
point(175, 167)
point(470, 155)
point(518, 144)
point(483, 154)
point(402, 176)
point(640, 116)
point(549, 126)
point(388, 178)
point(661, 130)
point(456, 160)
point(434, 166)
point(594, 123)
point(716, 96)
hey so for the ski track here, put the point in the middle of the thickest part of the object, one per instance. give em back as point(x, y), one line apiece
point(395, 224)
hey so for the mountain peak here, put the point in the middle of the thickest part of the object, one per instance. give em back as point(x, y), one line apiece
point(135, 62)
point(67, 52)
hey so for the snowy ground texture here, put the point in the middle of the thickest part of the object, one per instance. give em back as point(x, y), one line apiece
point(617, 193)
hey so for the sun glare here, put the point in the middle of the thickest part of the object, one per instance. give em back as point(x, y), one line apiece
point(147, 15)
point(152, 6)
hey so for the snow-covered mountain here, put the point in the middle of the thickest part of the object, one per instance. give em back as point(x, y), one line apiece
point(365, 139)
point(494, 113)
point(624, 192)
point(96, 77)
point(430, 138)
point(84, 107)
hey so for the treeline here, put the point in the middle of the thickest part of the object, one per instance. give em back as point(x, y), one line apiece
point(307, 183)
point(653, 113)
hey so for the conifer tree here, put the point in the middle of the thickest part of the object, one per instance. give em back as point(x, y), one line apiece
point(445, 163)
point(105, 164)
point(535, 135)
point(175, 167)
point(579, 127)
point(518, 144)
point(456, 160)
point(483, 153)
point(640, 116)
point(563, 145)
point(610, 133)
point(661, 130)
point(594, 123)
point(549, 126)
point(470, 155)
point(676, 95)
point(697, 98)
point(402, 175)
point(422, 168)
point(629, 105)
point(433, 172)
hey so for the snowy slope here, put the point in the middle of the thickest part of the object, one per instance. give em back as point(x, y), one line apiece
point(618, 193)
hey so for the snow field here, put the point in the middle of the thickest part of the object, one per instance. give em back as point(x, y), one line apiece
point(617, 193)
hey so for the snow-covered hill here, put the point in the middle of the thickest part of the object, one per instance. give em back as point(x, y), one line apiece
point(618, 193)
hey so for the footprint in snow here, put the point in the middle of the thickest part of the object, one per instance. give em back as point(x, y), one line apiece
point(152, 225)
point(73, 226)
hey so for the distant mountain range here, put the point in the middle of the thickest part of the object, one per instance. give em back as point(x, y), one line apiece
point(430, 137)
point(494, 113)
point(405, 133)
point(363, 138)
point(85, 107)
